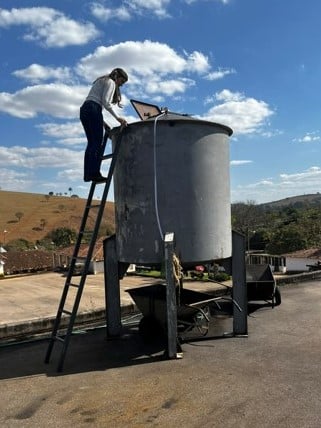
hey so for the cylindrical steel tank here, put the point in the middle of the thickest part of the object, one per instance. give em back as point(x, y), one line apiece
point(173, 176)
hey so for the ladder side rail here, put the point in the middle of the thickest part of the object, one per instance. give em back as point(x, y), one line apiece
point(85, 218)
point(69, 276)
point(82, 282)
point(101, 209)
point(105, 194)
point(80, 235)
point(90, 251)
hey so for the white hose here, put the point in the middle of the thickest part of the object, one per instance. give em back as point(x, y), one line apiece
point(155, 181)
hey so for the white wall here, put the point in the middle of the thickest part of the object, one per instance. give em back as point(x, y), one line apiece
point(1, 268)
point(299, 264)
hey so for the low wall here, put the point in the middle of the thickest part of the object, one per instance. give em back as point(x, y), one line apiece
point(299, 277)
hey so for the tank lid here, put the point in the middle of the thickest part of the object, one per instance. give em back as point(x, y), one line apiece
point(169, 116)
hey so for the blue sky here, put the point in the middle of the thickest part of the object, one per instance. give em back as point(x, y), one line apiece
point(254, 65)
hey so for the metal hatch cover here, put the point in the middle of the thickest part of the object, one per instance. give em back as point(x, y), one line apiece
point(145, 110)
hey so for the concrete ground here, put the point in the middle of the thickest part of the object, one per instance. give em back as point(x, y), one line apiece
point(269, 379)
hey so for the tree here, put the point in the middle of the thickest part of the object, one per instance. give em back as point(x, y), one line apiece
point(19, 245)
point(19, 215)
point(62, 237)
point(70, 190)
point(286, 240)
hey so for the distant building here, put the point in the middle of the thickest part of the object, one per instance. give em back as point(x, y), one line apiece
point(62, 259)
point(276, 262)
point(19, 262)
point(303, 260)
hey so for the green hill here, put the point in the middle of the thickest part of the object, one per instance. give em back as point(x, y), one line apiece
point(296, 201)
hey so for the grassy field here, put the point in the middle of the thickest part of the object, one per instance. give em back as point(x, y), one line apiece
point(31, 216)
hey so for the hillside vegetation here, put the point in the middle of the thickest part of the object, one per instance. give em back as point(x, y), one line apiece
point(32, 216)
point(282, 226)
point(277, 227)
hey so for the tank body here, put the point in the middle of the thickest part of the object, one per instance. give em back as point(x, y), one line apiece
point(173, 177)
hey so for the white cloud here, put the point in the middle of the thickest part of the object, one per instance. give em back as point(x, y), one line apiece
point(128, 9)
point(15, 179)
point(154, 68)
point(68, 133)
point(220, 74)
point(309, 137)
point(308, 177)
point(55, 99)
point(43, 157)
point(220, 1)
point(49, 26)
point(244, 115)
point(285, 185)
point(240, 162)
point(105, 13)
point(167, 87)
point(141, 58)
point(36, 73)
point(197, 62)
point(226, 95)
point(157, 7)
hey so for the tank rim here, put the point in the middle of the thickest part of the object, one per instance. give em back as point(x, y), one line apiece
point(182, 118)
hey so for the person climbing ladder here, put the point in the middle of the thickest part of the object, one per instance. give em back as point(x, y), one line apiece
point(104, 92)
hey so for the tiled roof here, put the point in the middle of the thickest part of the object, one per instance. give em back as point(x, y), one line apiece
point(98, 253)
point(26, 261)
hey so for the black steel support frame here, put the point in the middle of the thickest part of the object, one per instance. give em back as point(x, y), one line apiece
point(239, 285)
point(113, 268)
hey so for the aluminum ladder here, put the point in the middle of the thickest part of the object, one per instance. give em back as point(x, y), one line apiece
point(99, 210)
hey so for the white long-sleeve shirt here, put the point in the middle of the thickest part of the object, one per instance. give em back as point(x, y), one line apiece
point(102, 92)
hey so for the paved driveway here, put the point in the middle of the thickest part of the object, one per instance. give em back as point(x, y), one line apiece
point(270, 379)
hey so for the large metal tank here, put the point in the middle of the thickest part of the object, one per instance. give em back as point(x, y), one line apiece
point(173, 176)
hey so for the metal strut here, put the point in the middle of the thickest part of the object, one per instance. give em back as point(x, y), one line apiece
point(99, 210)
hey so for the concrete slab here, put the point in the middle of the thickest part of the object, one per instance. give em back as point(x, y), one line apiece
point(270, 379)
point(29, 304)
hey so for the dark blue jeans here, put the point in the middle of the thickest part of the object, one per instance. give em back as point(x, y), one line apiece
point(92, 120)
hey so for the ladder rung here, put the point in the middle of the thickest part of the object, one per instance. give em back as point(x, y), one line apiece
point(60, 339)
point(79, 258)
point(94, 206)
point(64, 311)
point(109, 156)
point(74, 285)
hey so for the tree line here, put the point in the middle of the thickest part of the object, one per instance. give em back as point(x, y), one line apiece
point(274, 230)
point(278, 230)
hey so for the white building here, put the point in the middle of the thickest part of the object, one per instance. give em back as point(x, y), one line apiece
point(303, 260)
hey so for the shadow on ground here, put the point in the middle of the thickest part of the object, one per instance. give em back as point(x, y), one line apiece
point(91, 351)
